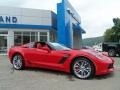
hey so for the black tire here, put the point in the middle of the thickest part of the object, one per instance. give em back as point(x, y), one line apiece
point(18, 62)
point(112, 52)
point(90, 64)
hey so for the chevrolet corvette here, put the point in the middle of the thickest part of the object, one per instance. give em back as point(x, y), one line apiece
point(83, 64)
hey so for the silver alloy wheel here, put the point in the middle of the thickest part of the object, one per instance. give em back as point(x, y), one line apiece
point(82, 69)
point(17, 62)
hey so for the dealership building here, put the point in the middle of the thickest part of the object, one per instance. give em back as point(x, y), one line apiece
point(20, 25)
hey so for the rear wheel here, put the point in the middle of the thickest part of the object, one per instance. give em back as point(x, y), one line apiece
point(18, 62)
point(83, 68)
point(112, 53)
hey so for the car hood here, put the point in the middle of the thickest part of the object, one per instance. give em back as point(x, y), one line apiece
point(89, 53)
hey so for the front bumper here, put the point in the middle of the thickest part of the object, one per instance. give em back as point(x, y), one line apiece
point(106, 70)
point(105, 67)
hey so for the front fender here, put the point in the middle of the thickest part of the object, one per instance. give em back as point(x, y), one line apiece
point(70, 60)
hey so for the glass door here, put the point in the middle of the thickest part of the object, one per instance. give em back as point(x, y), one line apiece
point(3, 44)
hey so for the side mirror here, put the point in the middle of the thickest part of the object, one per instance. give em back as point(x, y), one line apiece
point(47, 49)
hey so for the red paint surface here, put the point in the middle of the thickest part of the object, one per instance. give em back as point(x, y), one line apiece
point(40, 58)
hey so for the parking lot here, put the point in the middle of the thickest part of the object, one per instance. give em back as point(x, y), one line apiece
point(39, 79)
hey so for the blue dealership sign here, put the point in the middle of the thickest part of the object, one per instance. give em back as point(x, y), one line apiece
point(8, 19)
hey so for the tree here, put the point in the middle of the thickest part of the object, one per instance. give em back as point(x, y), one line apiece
point(113, 34)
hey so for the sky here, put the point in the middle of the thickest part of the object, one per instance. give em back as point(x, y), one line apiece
point(96, 15)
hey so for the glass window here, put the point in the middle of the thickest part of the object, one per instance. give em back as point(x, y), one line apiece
point(26, 33)
point(17, 33)
point(57, 46)
point(17, 40)
point(32, 33)
point(3, 44)
point(3, 32)
point(43, 38)
point(26, 37)
point(43, 33)
point(34, 38)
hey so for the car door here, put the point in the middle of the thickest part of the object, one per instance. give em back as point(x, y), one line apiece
point(53, 59)
point(44, 58)
point(35, 56)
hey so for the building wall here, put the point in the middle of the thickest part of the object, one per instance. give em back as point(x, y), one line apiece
point(28, 16)
point(67, 16)
point(58, 27)
point(27, 20)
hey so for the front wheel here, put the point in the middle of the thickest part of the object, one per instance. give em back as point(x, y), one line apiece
point(82, 68)
point(18, 62)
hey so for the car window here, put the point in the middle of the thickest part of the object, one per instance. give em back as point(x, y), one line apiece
point(30, 45)
point(57, 46)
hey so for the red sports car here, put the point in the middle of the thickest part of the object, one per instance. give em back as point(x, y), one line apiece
point(83, 63)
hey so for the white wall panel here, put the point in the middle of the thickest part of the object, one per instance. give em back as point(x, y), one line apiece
point(36, 21)
point(28, 16)
point(10, 11)
point(36, 13)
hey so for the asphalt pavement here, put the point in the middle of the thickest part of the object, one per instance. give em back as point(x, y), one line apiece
point(39, 79)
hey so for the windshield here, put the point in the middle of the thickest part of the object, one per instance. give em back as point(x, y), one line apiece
point(57, 46)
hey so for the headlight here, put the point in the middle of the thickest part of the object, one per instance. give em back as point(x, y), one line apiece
point(97, 55)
